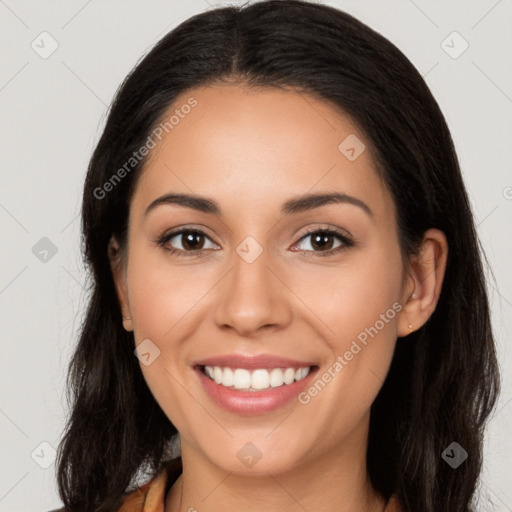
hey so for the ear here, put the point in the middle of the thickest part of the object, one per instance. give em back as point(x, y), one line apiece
point(119, 277)
point(423, 284)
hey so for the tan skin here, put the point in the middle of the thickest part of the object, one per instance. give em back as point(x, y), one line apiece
point(252, 150)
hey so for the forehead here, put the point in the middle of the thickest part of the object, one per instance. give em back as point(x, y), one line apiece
point(258, 146)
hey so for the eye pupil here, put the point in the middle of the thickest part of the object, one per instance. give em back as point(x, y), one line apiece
point(191, 239)
point(321, 240)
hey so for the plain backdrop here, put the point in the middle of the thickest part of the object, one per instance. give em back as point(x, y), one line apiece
point(52, 111)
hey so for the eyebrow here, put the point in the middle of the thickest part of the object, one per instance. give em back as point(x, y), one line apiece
point(294, 205)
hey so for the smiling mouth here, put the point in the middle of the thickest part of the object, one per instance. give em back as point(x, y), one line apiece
point(260, 379)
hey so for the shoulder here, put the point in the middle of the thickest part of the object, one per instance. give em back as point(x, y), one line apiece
point(151, 495)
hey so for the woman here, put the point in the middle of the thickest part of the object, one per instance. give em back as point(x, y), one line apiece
point(288, 308)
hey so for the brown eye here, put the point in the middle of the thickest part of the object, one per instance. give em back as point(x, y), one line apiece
point(186, 240)
point(322, 242)
point(192, 240)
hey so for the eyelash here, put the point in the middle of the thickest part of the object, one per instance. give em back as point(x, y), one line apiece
point(345, 242)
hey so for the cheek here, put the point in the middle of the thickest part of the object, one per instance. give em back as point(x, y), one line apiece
point(161, 294)
point(359, 305)
point(361, 349)
point(162, 303)
point(166, 307)
point(352, 296)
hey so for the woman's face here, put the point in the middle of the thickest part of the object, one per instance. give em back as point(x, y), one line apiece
point(260, 293)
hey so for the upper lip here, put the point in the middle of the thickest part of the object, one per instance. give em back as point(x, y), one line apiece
point(253, 362)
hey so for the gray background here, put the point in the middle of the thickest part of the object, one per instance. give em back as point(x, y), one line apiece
point(52, 111)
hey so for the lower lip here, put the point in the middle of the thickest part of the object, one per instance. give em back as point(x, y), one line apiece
point(251, 403)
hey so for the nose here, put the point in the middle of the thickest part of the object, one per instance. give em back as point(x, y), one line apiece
point(253, 297)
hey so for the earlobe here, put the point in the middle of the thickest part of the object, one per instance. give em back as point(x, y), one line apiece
point(127, 324)
point(426, 274)
point(118, 275)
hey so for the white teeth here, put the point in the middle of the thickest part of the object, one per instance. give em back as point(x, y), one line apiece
point(276, 377)
point(217, 375)
point(228, 378)
point(289, 375)
point(242, 378)
point(259, 379)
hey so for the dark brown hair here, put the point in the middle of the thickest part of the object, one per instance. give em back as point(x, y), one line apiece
point(443, 381)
